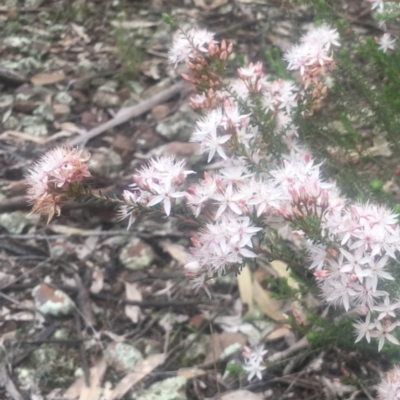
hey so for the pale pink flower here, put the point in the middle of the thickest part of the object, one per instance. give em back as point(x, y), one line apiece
point(57, 168)
point(229, 199)
point(251, 72)
point(364, 328)
point(383, 332)
point(386, 42)
point(389, 388)
point(386, 309)
point(253, 360)
point(377, 4)
point(254, 369)
point(185, 45)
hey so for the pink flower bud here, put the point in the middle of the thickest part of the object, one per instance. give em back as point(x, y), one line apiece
point(324, 199)
point(223, 45)
point(321, 273)
point(295, 194)
point(189, 78)
point(195, 242)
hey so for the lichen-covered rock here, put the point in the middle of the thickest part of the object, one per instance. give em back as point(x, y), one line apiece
point(104, 162)
point(136, 254)
point(15, 222)
point(64, 98)
point(179, 125)
point(199, 348)
point(168, 389)
point(34, 125)
point(49, 300)
point(123, 356)
point(103, 99)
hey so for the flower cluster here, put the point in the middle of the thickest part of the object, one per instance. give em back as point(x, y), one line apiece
point(356, 241)
point(389, 388)
point(384, 12)
point(312, 58)
point(253, 361)
point(356, 244)
point(366, 237)
point(51, 180)
point(157, 182)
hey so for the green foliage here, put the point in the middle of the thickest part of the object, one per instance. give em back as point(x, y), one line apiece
point(131, 55)
point(275, 62)
point(168, 19)
point(280, 289)
point(236, 369)
point(327, 334)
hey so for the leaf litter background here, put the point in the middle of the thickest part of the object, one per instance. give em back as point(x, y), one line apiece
point(129, 325)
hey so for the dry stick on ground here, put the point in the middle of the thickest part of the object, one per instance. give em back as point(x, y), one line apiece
point(300, 345)
point(83, 301)
point(9, 385)
point(84, 361)
point(125, 114)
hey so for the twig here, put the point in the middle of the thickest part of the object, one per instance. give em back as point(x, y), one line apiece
point(214, 358)
point(23, 275)
point(300, 345)
point(85, 365)
point(25, 9)
point(83, 302)
point(128, 113)
point(9, 385)
point(161, 304)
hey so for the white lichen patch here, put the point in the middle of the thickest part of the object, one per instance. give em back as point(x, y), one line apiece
point(123, 356)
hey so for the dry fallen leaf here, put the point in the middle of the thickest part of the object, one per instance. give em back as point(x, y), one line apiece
point(23, 136)
point(190, 373)
point(92, 392)
point(143, 368)
point(61, 109)
point(268, 305)
point(278, 333)
point(48, 78)
point(176, 251)
point(70, 127)
point(246, 287)
point(132, 293)
point(210, 5)
point(97, 280)
point(241, 395)
point(220, 341)
point(284, 272)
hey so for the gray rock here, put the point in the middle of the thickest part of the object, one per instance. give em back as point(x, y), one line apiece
point(136, 254)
